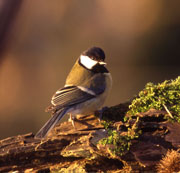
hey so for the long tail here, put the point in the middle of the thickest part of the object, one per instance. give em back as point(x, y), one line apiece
point(51, 123)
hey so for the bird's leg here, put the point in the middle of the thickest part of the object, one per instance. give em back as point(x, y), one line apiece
point(71, 119)
point(101, 113)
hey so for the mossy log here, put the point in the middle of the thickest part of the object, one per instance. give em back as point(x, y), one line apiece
point(67, 149)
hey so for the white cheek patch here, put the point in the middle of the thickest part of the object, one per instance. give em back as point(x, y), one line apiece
point(87, 62)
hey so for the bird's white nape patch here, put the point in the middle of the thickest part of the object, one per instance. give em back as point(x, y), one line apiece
point(87, 61)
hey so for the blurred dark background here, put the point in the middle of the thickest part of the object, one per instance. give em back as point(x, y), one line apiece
point(40, 41)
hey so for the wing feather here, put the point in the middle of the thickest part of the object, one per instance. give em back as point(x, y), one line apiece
point(69, 96)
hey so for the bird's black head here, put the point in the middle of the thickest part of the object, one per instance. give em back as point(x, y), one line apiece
point(95, 53)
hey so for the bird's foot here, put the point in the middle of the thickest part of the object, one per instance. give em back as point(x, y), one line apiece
point(101, 112)
point(71, 119)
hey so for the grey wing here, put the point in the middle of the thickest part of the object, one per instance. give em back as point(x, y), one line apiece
point(69, 96)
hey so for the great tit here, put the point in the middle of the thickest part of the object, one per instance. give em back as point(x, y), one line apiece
point(85, 90)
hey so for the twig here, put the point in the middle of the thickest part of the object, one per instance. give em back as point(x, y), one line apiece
point(169, 113)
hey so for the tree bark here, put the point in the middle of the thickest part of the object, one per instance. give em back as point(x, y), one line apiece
point(68, 149)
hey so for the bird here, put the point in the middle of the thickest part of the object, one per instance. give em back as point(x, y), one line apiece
point(85, 91)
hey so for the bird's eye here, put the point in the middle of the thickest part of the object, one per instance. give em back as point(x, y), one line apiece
point(93, 58)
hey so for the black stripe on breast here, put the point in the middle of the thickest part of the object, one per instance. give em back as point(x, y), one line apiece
point(99, 69)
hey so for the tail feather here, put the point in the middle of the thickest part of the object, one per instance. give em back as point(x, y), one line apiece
point(51, 123)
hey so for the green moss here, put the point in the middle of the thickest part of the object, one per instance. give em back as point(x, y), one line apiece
point(106, 124)
point(163, 96)
point(119, 141)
